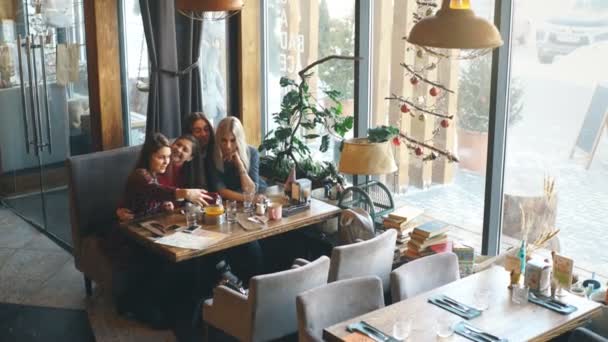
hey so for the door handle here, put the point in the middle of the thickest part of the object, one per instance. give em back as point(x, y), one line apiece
point(23, 101)
point(39, 143)
point(49, 143)
point(28, 49)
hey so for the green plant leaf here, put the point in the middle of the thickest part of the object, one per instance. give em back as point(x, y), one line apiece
point(324, 143)
point(282, 133)
point(285, 82)
point(311, 136)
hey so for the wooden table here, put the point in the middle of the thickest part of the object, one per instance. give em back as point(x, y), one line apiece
point(318, 212)
point(528, 322)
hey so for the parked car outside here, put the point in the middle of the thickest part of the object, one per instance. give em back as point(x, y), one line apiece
point(583, 23)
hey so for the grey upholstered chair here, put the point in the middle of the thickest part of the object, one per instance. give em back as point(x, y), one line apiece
point(423, 275)
point(335, 302)
point(96, 183)
point(269, 311)
point(370, 257)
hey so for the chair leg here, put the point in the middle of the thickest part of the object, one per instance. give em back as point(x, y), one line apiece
point(88, 286)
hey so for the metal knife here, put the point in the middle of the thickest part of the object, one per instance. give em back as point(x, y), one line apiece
point(379, 332)
point(449, 304)
point(481, 332)
point(454, 302)
point(477, 335)
point(366, 332)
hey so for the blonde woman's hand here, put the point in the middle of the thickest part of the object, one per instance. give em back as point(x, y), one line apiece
point(124, 214)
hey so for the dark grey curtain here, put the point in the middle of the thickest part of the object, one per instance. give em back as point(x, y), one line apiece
point(189, 32)
point(163, 99)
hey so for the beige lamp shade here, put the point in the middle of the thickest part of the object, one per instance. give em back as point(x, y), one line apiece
point(360, 157)
point(455, 26)
point(209, 5)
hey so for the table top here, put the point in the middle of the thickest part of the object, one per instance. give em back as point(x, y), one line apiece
point(503, 318)
point(318, 212)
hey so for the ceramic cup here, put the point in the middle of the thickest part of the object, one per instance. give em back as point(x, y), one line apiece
point(275, 211)
point(260, 208)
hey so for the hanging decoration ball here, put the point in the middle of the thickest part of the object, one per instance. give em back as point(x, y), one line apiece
point(396, 141)
point(445, 123)
point(421, 117)
point(434, 91)
point(414, 80)
point(404, 108)
point(418, 151)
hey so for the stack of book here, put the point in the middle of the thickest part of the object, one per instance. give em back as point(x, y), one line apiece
point(428, 238)
point(400, 220)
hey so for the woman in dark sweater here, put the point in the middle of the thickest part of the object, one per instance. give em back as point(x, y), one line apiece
point(144, 194)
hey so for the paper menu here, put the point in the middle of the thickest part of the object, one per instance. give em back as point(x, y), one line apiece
point(196, 241)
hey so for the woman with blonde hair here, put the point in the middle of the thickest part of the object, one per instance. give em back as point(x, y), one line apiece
point(237, 164)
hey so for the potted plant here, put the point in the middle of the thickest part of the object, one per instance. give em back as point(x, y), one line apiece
point(301, 114)
point(473, 112)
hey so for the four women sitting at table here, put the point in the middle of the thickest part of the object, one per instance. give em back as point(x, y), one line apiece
point(186, 169)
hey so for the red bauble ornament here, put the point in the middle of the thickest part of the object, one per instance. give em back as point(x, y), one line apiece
point(404, 108)
point(434, 91)
point(445, 123)
point(396, 141)
point(418, 151)
point(414, 80)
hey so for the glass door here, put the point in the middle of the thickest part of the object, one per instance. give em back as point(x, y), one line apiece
point(46, 99)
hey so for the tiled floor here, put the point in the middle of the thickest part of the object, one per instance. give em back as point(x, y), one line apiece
point(35, 271)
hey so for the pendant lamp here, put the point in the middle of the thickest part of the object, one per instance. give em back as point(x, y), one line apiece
point(455, 26)
point(209, 9)
point(209, 5)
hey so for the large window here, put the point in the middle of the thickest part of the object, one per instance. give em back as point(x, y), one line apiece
point(212, 68)
point(300, 32)
point(556, 158)
point(450, 192)
point(558, 68)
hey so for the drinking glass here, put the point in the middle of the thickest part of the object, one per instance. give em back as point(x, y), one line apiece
point(445, 325)
point(231, 209)
point(402, 328)
point(520, 294)
point(249, 196)
point(481, 299)
point(191, 218)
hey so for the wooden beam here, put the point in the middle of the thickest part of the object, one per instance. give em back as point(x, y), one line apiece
point(250, 83)
point(103, 63)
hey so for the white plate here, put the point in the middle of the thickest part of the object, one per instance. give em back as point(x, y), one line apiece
point(599, 296)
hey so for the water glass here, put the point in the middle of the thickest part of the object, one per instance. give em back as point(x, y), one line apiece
point(231, 209)
point(481, 299)
point(520, 294)
point(191, 218)
point(445, 325)
point(248, 201)
point(402, 328)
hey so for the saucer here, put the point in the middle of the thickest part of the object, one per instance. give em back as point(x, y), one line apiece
point(599, 296)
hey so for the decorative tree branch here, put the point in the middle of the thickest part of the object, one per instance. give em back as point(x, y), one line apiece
point(447, 154)
point(415, 106)
point(411, 71)
point(302, 73)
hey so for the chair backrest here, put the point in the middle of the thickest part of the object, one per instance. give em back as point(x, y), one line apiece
point(371, 257)
point(336, 302)
point(423, 275)
point(272, 298)
point(96, 183)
